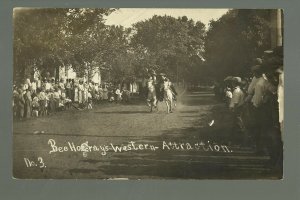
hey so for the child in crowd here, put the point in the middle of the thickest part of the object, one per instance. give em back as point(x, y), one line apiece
point(42, 96)
point(90, 101)
point(56, 97)
point(35, 106)
point(105, 93)
point(51, 103)
point(118, 95)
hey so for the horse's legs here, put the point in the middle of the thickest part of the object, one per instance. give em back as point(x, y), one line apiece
point(170, 105)
point(148, 102)
point(167, 103)
point(155, 102)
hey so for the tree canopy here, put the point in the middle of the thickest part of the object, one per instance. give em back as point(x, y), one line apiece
point(234, 40)
point(170, 45)
point(52, 37)
point(45, 39)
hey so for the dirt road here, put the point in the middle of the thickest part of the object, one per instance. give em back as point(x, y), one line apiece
point(126, 141)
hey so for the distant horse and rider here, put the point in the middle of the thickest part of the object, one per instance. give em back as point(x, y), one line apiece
point(160, 88)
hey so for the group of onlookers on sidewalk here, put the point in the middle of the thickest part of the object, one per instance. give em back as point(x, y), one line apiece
point(43, 97)
point(257, 103)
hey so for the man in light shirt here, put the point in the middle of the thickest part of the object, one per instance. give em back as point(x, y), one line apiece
point(235, 105)
point(238, 95)
point(260, 92)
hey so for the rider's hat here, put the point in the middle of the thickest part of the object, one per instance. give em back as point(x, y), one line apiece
point(153, 72)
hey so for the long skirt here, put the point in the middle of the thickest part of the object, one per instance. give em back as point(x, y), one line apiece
point(28, 105)
point(43, 107)
point(51, 106)
point(20, 112)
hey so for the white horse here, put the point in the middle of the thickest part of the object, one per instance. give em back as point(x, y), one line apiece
point(168, 95)
point(151, 96)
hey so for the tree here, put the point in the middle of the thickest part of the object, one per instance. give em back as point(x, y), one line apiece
point(169, 43)
point(234, 40)
point(48, 38)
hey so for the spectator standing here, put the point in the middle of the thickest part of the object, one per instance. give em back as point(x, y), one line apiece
point(235, 105)
point(56, 98)
point(118, 94)
point(20, 104)
point(28, 103)
point(105, 93)
point(42, 101)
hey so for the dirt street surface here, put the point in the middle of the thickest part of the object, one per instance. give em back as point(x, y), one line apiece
point(196, 141)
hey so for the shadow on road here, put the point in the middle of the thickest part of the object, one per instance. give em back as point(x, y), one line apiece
point(240, 163)
point(190, 123)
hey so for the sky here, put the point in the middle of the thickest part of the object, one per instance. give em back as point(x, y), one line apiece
point(128, 16)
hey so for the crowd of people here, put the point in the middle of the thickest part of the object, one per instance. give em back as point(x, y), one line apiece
point(39, 97)
point(257, 103)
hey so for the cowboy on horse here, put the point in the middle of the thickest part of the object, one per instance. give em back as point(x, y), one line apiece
point(151, 86)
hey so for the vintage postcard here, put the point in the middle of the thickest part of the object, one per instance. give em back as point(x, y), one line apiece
point(140, 93)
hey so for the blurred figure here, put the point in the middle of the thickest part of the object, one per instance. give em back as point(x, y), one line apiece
point(151, 96)
point(20, 104)
point(105, 92)
point(118, 95)
point(235, 105)
point(28, 103)
point(35, 106)
point(43, 102)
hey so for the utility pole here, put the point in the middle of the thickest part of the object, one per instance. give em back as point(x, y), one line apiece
point(276, 28)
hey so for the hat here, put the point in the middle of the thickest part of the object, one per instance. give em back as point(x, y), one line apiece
point(237, 79)
point(258, 61)
point(256, 68)
point(153, 73)
point(279, 70)
point(228, 78)
point(268, 52)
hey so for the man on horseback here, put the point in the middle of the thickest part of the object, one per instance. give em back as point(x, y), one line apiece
point(151, 96)
point(160, 89)
point(166, 88)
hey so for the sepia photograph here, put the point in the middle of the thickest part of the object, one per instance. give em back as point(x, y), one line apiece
point(148, 93)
